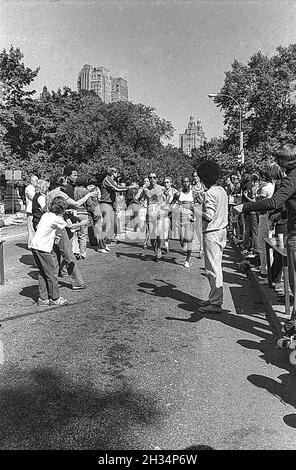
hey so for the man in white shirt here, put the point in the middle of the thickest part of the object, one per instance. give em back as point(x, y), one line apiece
point(30, 193)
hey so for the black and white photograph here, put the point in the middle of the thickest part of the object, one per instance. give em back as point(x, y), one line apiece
point(147, 230)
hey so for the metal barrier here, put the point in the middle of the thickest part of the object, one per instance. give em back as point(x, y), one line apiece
point(2, 276)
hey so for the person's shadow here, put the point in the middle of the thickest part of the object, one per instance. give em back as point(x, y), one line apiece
point(23, 245)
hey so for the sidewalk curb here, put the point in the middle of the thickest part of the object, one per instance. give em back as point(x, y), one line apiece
point(271, 315)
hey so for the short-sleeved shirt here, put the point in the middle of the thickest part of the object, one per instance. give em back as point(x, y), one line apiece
point(215, 205)
point(43, 239)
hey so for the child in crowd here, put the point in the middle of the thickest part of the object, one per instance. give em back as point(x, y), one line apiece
point(215, 220)
point(42, 249)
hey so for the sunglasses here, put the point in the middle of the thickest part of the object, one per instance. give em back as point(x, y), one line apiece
point(152, 177)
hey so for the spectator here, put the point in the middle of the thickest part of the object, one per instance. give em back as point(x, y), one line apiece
point(42, 249)
point(109, 189)
point(71, 175)
point(94, 229)
point(215, 220)
point(266, 190)
point(285, 194)
point(39, 203)
point(83, 213)
point(63, 249)
point(278, 221)
point(198, 193)
point(29, 193)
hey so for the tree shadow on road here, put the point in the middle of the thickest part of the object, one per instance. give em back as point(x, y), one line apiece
point(45, 409)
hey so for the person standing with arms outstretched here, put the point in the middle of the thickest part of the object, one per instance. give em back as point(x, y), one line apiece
point(109, 189)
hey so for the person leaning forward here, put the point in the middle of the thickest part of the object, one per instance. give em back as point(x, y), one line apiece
point(62, 247)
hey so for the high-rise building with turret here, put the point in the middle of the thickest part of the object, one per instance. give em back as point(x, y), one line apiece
point(100, 81)
point(193, 136)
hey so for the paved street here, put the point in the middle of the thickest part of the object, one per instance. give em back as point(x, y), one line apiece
point(130, 364)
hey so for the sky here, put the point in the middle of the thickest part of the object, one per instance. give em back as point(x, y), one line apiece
point(172, 53)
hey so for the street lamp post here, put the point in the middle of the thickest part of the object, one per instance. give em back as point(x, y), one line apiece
point(241, 134)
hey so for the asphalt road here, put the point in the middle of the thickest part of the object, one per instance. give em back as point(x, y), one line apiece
point(131, 364)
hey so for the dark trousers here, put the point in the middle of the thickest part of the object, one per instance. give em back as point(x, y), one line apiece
point(277, 258)
point(47, 278)
point(251, 231)
point(291, 259)
point(66, 258)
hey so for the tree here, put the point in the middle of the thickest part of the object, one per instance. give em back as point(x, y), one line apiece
point(262, 87)
point(15, 76)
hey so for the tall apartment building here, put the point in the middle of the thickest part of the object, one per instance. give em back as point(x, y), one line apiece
point(119, 91)
point(100, 81)
point(193, 136)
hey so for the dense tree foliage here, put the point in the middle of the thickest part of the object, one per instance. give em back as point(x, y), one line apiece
point(265, 91)
point(43, 135)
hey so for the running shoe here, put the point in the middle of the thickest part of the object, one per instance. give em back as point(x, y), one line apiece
point(159, 253)
point(211, 309)
point(43, 302)
point(107, 247)
point(82, 286)
point(203, 303)
point(58, 302)
point(166, 246)
point(186, 264)
point(103, 251)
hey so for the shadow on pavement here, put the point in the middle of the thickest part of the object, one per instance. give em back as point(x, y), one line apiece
point(148, 257)
point(48, 410)
point(249, 321)
point(23, 245)
point(28, 260)
point(30, 291)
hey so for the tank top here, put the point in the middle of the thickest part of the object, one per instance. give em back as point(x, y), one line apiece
point(36, 210)
point(186, 197)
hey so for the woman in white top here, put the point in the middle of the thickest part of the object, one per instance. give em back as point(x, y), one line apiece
point(266, 190)
point(185, 200)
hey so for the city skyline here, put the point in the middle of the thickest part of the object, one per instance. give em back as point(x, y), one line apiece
point(172, 54)
point(98, 78)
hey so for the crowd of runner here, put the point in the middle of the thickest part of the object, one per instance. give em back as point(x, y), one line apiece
point(71, 212)
point(67, 214)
